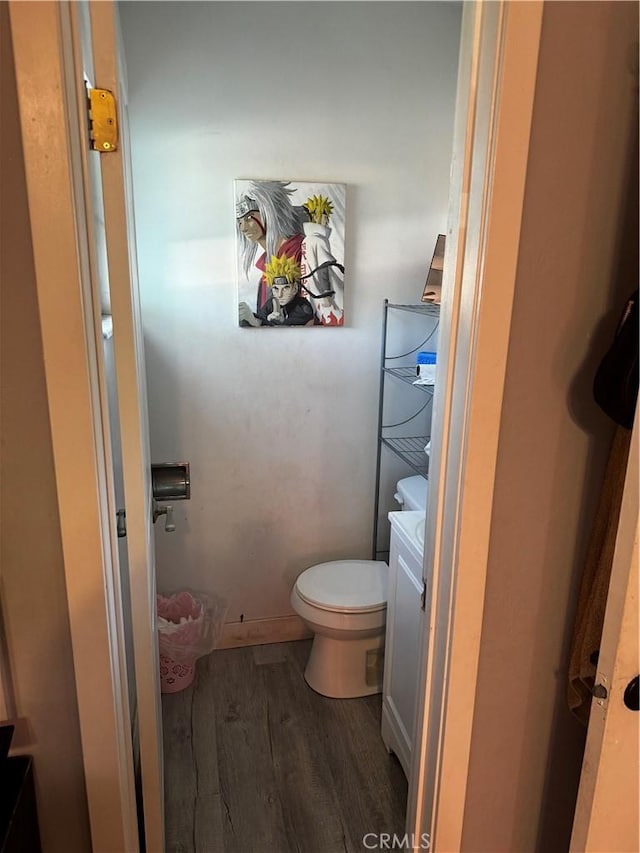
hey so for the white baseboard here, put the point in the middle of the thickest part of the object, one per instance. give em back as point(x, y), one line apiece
point(256, 632)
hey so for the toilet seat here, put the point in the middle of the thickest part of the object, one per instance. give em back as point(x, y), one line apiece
point(345, 586)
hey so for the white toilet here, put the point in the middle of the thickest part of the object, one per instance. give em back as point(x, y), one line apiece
point(345, 604)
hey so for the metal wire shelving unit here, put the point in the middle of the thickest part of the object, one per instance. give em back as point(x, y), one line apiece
point(399, 437)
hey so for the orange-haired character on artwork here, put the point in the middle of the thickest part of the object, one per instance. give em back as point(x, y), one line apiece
point(285, 306)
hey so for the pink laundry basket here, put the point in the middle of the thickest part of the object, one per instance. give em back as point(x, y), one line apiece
point(175, 676)
point(180, 646)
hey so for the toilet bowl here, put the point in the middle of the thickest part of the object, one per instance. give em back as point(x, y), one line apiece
point(344, 603)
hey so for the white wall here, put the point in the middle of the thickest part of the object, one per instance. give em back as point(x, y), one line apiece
point(279, 425)
point(578, 262)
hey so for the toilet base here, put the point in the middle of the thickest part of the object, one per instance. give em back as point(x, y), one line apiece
point(346, 669)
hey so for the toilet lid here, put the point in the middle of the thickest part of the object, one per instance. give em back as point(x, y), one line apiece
point(350, 586)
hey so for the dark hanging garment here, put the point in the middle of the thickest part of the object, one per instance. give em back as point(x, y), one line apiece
point(615, 386)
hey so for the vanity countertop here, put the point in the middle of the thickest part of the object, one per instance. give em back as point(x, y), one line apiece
point(410, 525)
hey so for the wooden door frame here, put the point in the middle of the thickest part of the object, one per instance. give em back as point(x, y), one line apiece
point(494, 109)
point(117, 206)
point(609, 768)
point(69, 311)
point(483, 246)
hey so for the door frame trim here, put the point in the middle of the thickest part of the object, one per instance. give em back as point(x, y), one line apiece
point(609, 770)
point(494, 109)
point(50, 123)
point(121, 250)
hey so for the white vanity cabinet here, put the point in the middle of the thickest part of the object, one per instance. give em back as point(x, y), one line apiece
point(402, 645)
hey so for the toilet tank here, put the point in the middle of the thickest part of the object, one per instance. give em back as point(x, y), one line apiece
point(411, 493)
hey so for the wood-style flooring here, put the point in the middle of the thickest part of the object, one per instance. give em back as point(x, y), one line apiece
point(256, 762)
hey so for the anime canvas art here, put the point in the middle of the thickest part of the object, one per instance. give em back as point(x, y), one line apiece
point(290, 253)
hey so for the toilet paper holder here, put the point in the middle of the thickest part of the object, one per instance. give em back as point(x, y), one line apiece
point(171, 481)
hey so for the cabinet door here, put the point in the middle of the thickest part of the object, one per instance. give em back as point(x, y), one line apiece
point(405, 651)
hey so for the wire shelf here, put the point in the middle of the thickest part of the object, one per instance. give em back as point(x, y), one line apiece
point(411, 451)
point(401, 339)
point(409, 375)
point(419, 308)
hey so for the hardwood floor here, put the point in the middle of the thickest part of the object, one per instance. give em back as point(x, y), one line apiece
point(256, 762)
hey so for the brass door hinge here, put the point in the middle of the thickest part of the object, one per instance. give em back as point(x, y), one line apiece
point(103, 120)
